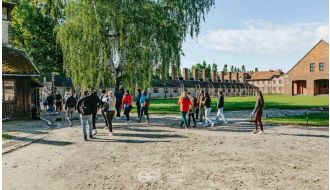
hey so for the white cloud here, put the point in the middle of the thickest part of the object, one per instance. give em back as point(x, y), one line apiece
point(266, 38)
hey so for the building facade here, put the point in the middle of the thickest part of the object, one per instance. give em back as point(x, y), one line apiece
point(17, 71)
point(269, 82)
point(310, 76)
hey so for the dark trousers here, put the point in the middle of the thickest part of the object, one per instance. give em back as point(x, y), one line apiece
point(257, 120)
point(193, 117)
point(104, 117)
point(183, 119)
point(126, 112)
point(118, 109)
point(58, 106)
point(138, 107)
point(197, 112)
point(109, 117)
point(144, 111)
point(94, 120)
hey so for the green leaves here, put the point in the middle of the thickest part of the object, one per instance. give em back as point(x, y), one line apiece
point(148, 38)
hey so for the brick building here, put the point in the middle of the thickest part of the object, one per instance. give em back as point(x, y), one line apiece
point(269, 82)
point(310, 76)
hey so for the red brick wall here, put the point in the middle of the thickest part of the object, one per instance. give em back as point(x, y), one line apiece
point(301, 71)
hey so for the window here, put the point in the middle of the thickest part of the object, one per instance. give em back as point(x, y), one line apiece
point(155, 90)
point(269, 89)
point(279, 81)
point(274, 89)
point(274, 81)
point(175, 90)
point(280, 89)
point(321, 66)
point(8, 90)
point(4, 13)
point(312, 67)
point(166, 90)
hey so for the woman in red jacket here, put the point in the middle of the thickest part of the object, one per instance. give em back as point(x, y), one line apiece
point(127, 105)
point(185, 103)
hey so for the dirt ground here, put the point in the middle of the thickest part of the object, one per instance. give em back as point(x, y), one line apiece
point(163, 157)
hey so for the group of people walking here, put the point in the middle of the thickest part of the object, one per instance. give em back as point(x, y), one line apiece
point(192, 108)
point(88, 103)
point(112, 103)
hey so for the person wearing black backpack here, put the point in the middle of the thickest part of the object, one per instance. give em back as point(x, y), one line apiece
point(70, 107)
point(104, 94)
point(84, 107)
point(192, 109)
point(138, 105)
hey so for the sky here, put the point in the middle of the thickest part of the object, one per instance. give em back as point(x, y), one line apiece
point(268, 34)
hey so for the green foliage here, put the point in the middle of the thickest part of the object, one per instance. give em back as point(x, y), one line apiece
point(243, 69)
point(146, 35)
point(225, 68)
point(256, 69)
point(32, 30)
point(319, 119)
point(248, 102)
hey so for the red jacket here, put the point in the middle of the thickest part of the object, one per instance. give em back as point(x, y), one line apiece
point(126, 99)
point(184, 104)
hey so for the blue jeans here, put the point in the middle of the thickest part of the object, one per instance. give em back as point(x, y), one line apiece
point(50, 108)
point(86, 120)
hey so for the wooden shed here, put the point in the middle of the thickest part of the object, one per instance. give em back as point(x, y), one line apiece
point(17, 73)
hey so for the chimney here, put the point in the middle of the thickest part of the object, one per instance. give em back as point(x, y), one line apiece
point(185, 74)
point(204, 75)
point(195, 74)
point(222, 76)
point(174, 75)
point(242, 77)
point(214, 75)
point(230, 74)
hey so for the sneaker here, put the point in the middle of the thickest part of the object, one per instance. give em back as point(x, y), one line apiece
point(212, 125)
point(85, 138)
point(128, 121)
point(91, 137)
point(254, 132)
point(110, 133)
point(226, 122)
point(194, 126)
point(95, 131)
point(261, 133)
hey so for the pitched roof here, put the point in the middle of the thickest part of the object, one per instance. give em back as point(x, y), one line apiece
point(15, 62)
point(265, 75)
point(321, 41)
point(197, 83)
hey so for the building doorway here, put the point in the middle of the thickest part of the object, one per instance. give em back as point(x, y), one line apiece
point(321, 87)
point(299, 87)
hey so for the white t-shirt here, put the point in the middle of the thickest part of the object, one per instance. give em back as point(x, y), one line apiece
point(111, 102)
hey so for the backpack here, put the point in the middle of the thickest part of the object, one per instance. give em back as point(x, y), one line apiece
point(146, 102)
point(85, 107)
point(71, 102)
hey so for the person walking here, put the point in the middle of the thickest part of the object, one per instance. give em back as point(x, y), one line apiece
point(50, 103)
point(197, 104)
point(95, 101)
point(104, 94)
point(119, 97)
point(144, 102)
point(201, 100)
point(185, 103)
point(258, 109)
point(207, 104)
point(84, 107)
point(138, 105)
point(58, 101)
point(70, 107)
point(127, 105)
point(221, 103)
point(109, 108)
point(192, 109)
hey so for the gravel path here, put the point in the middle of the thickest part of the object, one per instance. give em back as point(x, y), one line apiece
point(162, 157)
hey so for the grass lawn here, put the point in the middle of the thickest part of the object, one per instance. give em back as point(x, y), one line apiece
point(319, 119)
point(246, 103)
point(5, 137)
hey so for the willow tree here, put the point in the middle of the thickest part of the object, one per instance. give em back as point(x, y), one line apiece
point(126, 41)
